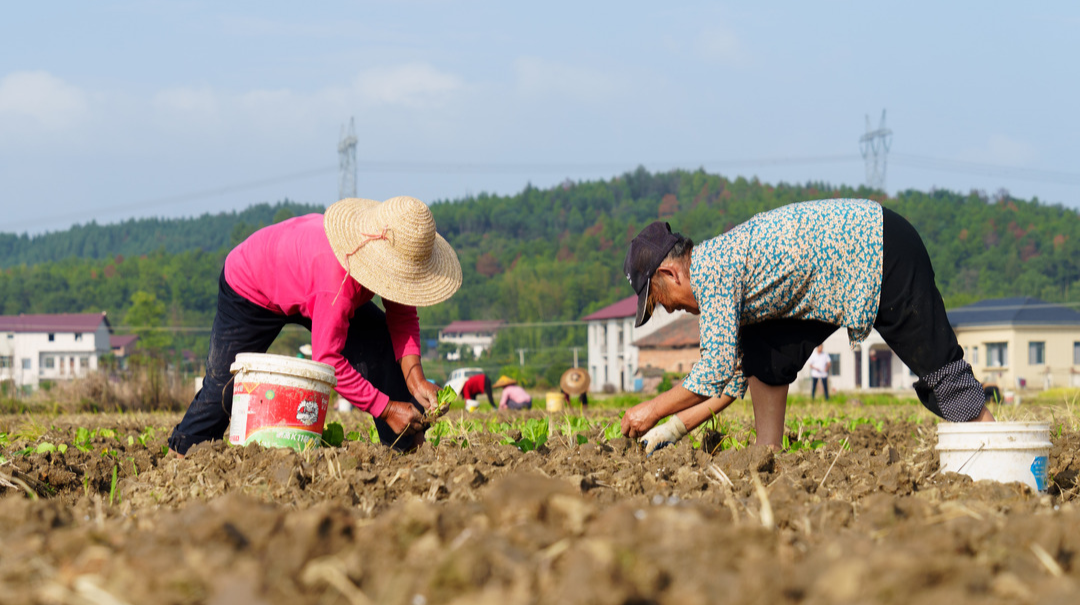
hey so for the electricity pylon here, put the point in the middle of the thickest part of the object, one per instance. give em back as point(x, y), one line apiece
point(347, 161)
point(874, 146)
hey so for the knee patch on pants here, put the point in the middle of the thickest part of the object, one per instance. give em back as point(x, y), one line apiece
point(952, 392)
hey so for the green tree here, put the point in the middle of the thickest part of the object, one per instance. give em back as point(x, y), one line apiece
point(146, 317)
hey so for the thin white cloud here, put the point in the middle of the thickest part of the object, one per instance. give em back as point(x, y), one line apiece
point(717, 44)
point(201, 101)
point(541, 78)
point(1002, 149)
point(409, 85)
point(43, 98)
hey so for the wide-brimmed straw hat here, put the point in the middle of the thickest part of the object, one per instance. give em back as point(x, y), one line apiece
point(574, 381)
point(392, 249)
point(503, 381)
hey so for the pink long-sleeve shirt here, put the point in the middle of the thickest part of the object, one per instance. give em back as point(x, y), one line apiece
point(289, 268)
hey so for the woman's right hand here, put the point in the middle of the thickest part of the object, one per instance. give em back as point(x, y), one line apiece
point(402, 417)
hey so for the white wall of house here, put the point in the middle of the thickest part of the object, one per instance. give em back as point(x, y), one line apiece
point(477, 341)
point(851, 370)
point(613, 359)
point(30, 357)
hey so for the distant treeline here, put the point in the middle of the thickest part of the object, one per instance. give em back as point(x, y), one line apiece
point(543, 254)
point(133, 237)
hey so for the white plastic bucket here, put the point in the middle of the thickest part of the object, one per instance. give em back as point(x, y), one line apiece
point(999, 451)
point(279, 401)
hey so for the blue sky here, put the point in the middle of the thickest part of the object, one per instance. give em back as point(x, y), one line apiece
point(112, 110)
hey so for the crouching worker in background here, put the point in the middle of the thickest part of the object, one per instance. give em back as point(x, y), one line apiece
point(775, 287)
point(513, 396)
point(322, 271)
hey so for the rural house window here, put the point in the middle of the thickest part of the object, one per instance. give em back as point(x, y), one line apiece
point(1076, 353)
point(52, 337)
point(78, 336)
point(834, 364)
point(50, 363)
point(975, 355)
point(84, 363)
point(997, 354)
point(1036, 353)
point(6, 361)
point(26, 363)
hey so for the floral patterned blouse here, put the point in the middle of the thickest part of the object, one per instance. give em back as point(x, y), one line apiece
point(812, 260)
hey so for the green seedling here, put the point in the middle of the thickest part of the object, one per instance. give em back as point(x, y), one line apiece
point(82, 440)
point(443, 399)
point(612, 431)
point(112, 488)
point(352, 436)
point(333, 435)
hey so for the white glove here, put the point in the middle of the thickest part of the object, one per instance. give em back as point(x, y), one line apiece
point(663, 434)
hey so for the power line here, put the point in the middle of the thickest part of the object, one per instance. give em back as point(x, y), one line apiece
point(176, 199)
point(996, 170)
point(416, 167)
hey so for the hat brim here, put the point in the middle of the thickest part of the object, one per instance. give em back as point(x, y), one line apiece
point(378, 268)
point(503, 381)
point(574, 389)
point(643, 313)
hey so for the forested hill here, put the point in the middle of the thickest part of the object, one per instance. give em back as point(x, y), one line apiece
point(544, 255)
point(558, 253)
point(133, 237)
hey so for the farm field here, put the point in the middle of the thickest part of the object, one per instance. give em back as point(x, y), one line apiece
point(501, 508)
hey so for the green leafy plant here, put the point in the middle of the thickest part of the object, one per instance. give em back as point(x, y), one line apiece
point(112, 487)
point(82, 440)
point(333, 435)
point(443, 399)
point(534, 433)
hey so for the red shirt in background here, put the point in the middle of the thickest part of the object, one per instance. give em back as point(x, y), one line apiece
point(473, 386)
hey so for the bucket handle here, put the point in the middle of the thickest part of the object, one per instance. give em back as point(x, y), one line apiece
point(227, 383)
point(971, 457)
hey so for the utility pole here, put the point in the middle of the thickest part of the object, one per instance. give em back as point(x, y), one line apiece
point(521, 357)
point(874, 146)
point(347, 161)
point(575, 349)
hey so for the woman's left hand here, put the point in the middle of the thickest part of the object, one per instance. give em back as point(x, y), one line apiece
point(425, 392)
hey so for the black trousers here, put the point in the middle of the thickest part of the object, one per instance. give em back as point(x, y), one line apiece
point(241, 326)
point(911, 319)
point(824, 387)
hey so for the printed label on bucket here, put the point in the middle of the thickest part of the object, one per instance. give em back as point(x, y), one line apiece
point(1038, 468)
point(277, 416)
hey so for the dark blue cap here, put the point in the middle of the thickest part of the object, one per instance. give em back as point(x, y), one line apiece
point(646, 252)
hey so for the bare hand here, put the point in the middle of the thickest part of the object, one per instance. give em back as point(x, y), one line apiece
point(638, 420)
point(402, 417)
point(426, 394)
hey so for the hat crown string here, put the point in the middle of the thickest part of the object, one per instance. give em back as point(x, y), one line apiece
point(367, 239)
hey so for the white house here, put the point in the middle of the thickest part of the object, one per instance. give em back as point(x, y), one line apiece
point(51, 347)
point(613, 358)
point(478, 335)
point(870, 366)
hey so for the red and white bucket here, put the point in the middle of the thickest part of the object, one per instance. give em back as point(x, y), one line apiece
point(279, 401)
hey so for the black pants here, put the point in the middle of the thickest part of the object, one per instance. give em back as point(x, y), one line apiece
point(241, 326)
point(824, 387)
point(911, 319)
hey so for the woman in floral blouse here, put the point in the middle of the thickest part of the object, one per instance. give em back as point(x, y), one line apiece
point(775, 287)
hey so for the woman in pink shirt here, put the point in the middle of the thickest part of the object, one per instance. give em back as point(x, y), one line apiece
point(322, 271)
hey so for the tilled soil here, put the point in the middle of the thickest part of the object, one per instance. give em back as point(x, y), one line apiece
point(592, 523)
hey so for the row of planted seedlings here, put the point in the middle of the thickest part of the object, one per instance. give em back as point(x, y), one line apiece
point(533, 433)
